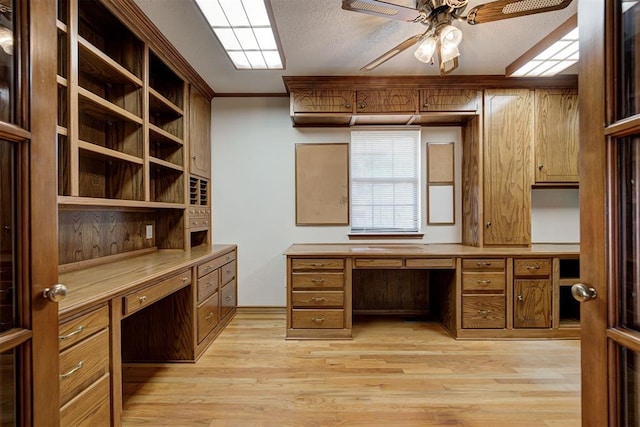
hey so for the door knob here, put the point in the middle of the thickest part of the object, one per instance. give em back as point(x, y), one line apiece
point(582, 292)
point(55, 293)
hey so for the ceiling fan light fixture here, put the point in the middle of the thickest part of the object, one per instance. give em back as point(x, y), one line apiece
point(6, 40)
point(426, 50)
point(450, 37)
point(448, 54)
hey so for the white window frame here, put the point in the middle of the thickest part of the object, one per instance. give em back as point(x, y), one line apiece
point(367, 216)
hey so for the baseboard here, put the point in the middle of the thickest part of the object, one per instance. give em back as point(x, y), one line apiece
point(261, 310)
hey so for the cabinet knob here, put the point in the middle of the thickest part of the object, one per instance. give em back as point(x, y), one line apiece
point(520, 298)
point(426, 104)
point(208, 316)
point(142, 299)
point(184, 279)
point(540, 166)
point(488, 224)
point(347, 105)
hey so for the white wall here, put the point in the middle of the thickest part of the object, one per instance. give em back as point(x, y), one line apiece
point(253, 192)
point(555, 215)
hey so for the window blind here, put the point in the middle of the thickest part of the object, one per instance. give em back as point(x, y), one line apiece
point(385, 180)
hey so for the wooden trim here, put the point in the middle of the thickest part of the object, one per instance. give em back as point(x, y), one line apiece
point(543, 44)
point(251, 95)
point(261, 310)
point(13, 338)
point(427, 82)
point(13, 132)
point(135, 19)
point(625, 338)
point(624, 127)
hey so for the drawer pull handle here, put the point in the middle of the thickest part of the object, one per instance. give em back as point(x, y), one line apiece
point(484, 312)
point(317, 280)
point(208, 316)
point(184, 279)
point(208, 285)
point(317, 319)
point(228, 298)
point(317, 264)
point(483, 282)
point(533, 267)
point(317, 299)
point(208, 268)
point(229, 271)
point(484, 264)
point(76, 332)
point(520, 298)
point(72, 371)
point(142, 299)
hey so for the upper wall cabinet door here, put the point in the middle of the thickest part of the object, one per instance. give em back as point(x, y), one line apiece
point(507, 167)
point(321, 101)
point(200, 134)
point(556, 136)
point(387, 101)
point(464, 100)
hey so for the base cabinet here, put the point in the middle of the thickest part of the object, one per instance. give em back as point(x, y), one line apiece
point(483, 293)
point(532, 293)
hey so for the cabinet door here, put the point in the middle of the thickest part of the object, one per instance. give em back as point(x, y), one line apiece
point(507, 170)
point(532, 303)
point(321, 101)
point(200, 134)
point(465, 100)
point(556, 135)
point(387, 101)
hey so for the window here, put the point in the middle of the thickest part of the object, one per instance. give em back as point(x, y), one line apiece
point(385, 180)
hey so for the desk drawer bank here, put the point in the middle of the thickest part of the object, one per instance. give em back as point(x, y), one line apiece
point(166, 306)
point(475, 293)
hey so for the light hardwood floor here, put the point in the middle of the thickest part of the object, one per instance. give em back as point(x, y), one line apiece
point(393, 373)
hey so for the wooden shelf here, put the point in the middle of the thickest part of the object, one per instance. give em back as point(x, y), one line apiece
point(163, 134)
point(158, 103)
point(97, 63)
point(92, 104)
point(61, 26)
point(71, 202)
point(61, 130)
point(62, 81)
point(88, 146)
point(165, 164)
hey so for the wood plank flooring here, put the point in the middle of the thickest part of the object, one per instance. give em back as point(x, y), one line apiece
point(393, 373)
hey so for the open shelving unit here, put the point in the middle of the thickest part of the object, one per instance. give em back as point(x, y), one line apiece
point(122, 141)
point(569, 308)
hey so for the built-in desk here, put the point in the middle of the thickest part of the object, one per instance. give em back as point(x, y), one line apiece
point(163, 306)
point(473, 292)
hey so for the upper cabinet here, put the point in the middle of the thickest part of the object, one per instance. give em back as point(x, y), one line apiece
point(443, 100)
point(389, 101)
point(556, 136)
point(200, 134)
point(322, 101)
point(508, 135)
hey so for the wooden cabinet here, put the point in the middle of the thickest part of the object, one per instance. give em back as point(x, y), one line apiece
point(508, 133)
point(199, 134)
point(450, 100)
point(556, 136)
point(85, 369)
point(532, 293)
point(322, 101)
point(316, 295)
point(483, 293)
point(388, 101)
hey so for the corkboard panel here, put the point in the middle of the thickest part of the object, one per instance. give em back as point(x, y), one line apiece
point(322, 184)
point(440, 163)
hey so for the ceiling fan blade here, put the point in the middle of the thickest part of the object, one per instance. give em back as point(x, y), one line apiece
point(393, 52)
point(505, 9)
point(384, 9)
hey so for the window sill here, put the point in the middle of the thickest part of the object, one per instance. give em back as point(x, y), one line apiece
point(376, 236)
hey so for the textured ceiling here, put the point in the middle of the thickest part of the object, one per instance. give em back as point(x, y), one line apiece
point(319, 38)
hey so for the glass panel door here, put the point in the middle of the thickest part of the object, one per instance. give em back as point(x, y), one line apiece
point(7, 62)
point(628, 34)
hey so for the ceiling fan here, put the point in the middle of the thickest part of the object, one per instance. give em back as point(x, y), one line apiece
point(437, 15)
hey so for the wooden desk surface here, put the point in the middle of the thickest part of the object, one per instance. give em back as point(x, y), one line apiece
point(429, 250)
point(94, 285)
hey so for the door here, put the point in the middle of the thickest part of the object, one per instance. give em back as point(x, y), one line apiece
point(610, 211)
point(28, 218)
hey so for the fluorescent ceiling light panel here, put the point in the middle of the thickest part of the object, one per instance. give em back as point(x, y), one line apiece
point(553, 54)
point(245, 32)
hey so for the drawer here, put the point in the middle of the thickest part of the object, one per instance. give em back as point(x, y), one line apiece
point(81, 327)
point(317, 280)
point(483, 264)
point(317, 319)
point(92, 407)
point(318, 264)
point(227, 298)
point(378, 262)
point(199, 223)
point(83, 364)
point(207, 285)
point(208, 266)
point(481, 281)
point(208, 316)
point(430, 263)
point(317, 299)
point(532, 267)
point(483, 311)
point(228, 272)
point(147, 296)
